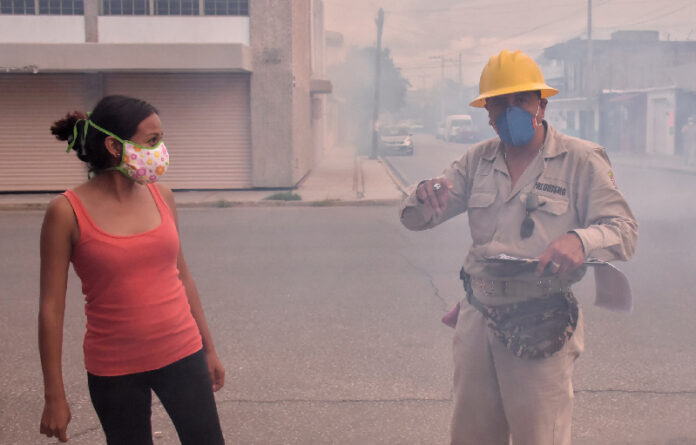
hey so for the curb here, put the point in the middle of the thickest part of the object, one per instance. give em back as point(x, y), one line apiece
point(358, 189)
point(223, 204)
point(271, 203)
point(395, 176)
point(23, 206)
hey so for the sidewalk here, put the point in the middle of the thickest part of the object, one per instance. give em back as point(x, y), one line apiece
point(653, 161)
point(339, 178)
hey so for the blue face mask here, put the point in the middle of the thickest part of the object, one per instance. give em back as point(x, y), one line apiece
point(516, 126)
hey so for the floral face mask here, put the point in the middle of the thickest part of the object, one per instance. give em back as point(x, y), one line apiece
point(144, 165)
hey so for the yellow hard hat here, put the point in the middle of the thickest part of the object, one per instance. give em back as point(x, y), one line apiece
point(510, 73)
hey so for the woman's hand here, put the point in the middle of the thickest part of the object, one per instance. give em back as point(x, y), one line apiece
point(57, 234)
point(216, 370)
point(55, 419)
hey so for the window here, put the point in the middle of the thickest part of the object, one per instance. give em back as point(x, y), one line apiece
point(43, 7)
point(126, 7)
point(174, 7)
point(226, 7)
point(177, 7)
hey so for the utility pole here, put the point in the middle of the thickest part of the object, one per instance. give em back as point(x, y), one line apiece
point(442, 68)
point(442, 85)
point(460, 87)
point(460, 69)
point(589, 132)
point(378, 64)
point(589, 71)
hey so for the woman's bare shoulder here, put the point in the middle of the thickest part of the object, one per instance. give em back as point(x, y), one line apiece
point(60, 216)
point(166, 193)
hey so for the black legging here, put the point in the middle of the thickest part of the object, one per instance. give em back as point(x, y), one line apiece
point(123, 403)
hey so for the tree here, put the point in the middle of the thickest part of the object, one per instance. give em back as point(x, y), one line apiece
point(353, 82)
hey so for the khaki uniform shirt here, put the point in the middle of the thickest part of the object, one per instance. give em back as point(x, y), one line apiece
point(575, 185)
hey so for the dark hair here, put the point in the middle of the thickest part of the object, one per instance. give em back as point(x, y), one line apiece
point(120, 115)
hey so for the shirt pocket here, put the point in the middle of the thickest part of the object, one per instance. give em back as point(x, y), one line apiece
point(553, 205)
point(482, 220)
point(551, 218)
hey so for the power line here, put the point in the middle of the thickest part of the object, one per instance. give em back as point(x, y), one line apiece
point(668, 13)
point(467, 8)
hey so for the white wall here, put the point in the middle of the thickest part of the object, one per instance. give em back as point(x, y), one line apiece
point(174, 29)
point(42, 29)
point(125, 29)
point(660, 122)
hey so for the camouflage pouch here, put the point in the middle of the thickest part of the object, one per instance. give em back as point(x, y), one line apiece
point(534, 328)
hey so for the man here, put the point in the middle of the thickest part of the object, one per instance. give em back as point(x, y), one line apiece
point(531, 192)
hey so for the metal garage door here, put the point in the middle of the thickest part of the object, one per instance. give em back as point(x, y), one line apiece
point(205, 118)
point(31, 159)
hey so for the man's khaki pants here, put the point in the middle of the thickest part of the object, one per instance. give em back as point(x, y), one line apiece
point(498, 395)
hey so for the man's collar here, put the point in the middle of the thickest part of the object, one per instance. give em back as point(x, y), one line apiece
point(492, 151)
point(553, 145)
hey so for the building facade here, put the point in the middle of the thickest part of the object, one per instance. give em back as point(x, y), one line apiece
point(630, 93)
point(234, 82)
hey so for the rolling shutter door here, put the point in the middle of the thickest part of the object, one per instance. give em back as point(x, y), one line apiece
point(205, 118)
point(31, 158)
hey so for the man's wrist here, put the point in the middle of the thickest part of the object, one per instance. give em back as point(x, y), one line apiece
point(573, 232)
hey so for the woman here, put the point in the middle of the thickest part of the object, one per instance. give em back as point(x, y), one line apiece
point(145, 324)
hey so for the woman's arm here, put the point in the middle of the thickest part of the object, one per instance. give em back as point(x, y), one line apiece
point(59, 228)
point(215, 368)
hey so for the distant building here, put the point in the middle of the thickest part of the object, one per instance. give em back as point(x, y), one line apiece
point(630, 93)
point(239, 85)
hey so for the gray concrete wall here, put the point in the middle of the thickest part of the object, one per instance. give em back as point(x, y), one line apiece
point(91, 21)
point(270, 36)
point(637, 65)
point(159, 57)
point(280, 111)
point(303, 159)
point(626, 65)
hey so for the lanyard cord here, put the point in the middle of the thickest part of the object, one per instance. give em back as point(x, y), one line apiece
point(83, 140)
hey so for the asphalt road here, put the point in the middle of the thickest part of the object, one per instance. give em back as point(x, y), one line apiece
point(327, 320)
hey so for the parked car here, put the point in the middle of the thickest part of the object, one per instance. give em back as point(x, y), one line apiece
point(460, 128)
point(395, 140)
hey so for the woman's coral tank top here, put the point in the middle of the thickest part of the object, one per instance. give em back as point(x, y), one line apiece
point(138, 315)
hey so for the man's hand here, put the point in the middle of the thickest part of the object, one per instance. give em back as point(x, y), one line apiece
point(434, 193)
point(55, 419)
point(564, 254)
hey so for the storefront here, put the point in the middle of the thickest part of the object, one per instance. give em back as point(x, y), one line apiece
point(205, 118)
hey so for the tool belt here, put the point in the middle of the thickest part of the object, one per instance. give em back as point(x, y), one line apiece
point(534, 328)
point(498, 288)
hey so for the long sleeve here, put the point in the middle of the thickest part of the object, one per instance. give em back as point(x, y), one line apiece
point(609, 229)
point(417, 216)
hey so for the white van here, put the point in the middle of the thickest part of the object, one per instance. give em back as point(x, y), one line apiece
point(459, 128)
